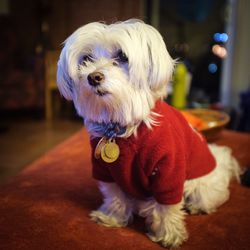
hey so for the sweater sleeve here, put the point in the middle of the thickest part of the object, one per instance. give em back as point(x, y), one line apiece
point(101, 172)
point(167, 181)
point(166, 169)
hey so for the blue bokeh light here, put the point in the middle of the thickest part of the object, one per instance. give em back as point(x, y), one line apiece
point(212, 68)
point(220, 37)
point(217, 37)
point(224, 37)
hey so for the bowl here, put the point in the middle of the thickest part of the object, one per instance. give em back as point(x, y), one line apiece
point(212, 121)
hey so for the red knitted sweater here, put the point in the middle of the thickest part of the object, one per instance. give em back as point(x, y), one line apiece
point(157, 162)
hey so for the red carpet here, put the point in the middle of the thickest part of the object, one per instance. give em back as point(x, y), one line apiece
point(47, 205)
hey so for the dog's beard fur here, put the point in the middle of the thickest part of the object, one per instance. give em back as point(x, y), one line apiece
point(130, 89)
point(121, 101)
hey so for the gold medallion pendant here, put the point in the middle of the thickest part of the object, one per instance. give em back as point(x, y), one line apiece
point(110, 151)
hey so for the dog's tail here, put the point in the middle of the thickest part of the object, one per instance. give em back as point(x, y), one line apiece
point(226, 160)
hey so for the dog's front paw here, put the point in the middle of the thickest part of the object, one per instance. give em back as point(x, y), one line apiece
point(116, 210)
point(171, 237)
point(107, 220)
point(165, 223)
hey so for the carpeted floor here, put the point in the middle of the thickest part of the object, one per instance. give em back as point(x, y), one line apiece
point(47, 205)
point(24, 140)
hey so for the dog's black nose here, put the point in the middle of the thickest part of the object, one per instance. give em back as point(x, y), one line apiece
point(96, 78)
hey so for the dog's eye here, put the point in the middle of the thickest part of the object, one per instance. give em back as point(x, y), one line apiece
point(86, 58)
point(121, 57)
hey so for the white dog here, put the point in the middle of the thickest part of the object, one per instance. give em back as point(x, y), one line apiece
point(147, 158)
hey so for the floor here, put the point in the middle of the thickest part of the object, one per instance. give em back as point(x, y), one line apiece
point(21, 142)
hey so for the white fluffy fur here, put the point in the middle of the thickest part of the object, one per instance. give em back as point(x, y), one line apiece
point(207, 193)
point(116, 210)
point(133, 89)
point(166, 222)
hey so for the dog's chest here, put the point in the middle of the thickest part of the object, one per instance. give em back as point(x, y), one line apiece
point(128, 171)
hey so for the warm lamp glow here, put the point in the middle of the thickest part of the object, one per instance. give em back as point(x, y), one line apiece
point(219, 51)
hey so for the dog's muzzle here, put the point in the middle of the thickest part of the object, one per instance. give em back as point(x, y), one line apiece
point(96, 78)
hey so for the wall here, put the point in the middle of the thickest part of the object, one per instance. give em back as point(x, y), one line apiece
point(236, 72)
point(72, 14)
point(28, 28)
point(241, 69)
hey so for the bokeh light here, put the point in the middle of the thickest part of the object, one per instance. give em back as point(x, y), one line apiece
point(220, 37)
point(219, 51)
point(212, 68)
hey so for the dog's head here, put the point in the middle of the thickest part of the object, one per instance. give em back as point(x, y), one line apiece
point(114, 72)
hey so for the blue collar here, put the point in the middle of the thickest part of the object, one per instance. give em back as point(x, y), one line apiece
point(109, 130)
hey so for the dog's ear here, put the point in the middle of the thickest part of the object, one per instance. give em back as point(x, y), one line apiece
point(67, 67)
point(150, 62)
point(64, 82)
point(161, 64)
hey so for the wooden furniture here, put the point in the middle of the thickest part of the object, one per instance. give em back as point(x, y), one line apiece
point(51, 58)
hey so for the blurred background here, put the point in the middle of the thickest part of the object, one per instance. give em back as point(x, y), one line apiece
point(210, 39)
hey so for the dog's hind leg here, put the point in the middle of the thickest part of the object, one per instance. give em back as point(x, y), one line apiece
point(207, 193)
